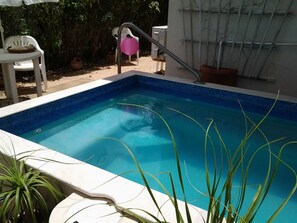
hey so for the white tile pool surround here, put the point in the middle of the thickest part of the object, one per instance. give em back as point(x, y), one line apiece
point(91, 181)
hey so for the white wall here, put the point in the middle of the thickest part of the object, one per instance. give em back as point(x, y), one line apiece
point(277, 73)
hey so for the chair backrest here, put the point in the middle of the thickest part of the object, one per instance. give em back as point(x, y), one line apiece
point(125, 31)
point(21, 41)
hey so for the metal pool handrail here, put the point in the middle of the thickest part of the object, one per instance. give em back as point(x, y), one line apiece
point(145, 35)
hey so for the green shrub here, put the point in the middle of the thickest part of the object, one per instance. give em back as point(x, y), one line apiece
point(24, 192)
point(78, 27)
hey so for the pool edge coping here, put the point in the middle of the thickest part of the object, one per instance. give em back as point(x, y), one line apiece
point(78, 182)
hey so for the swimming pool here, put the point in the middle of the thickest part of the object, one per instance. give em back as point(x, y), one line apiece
point(81, 103)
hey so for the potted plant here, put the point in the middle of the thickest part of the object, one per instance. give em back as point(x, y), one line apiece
point(221, 75)
point(220, 192)
point(24, 191)
point(76, 63)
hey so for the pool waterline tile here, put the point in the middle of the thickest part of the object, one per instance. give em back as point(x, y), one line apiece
point(28, 119)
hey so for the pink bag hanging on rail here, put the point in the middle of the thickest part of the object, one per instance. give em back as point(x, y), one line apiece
point(129, 46)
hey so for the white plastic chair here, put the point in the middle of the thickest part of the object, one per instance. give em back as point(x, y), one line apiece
point(125, 32)
point(21, 41)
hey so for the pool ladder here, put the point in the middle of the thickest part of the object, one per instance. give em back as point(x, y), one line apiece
point(163, 48)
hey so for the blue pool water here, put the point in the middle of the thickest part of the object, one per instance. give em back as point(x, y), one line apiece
point(88, 135)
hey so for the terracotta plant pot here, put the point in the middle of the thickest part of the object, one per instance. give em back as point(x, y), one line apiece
point(223, 76)
point(110, 58)
point(76, 63)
